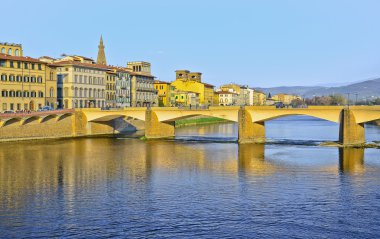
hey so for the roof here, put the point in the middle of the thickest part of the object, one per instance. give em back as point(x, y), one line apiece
point(75, 63)
point(140, 74)
point(20, 58)
point(208, 85)
point(226, 92)
point(161, 82)
point(47, 57)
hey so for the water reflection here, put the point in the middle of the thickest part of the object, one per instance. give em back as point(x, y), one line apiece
point(351, 160)
point(251, 160)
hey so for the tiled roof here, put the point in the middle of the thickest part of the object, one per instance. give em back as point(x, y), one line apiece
point(75, 63)
point(161, 82)
point(20, 58)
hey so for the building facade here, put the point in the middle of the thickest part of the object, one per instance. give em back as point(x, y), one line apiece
point(26, 83)
point(259, 98)
point(11, 49)
point(165, 93)
point(227, 98)
point(80, 84)
point(192, 82)
point(142, 85)
point(123, 88)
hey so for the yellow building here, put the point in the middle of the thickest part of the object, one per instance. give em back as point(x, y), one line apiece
point(259, 98)
point(11, 49)
point(285, 98)
point(165, 93)
point(26, 83)
point(186, 98)
point(231, 87)
point(192, 82)
point(111, 88)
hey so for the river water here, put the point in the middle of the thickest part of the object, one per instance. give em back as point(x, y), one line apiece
point(200, 185)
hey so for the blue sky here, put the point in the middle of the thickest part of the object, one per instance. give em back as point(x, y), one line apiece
point(259, 43)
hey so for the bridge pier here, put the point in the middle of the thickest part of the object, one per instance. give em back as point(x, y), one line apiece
point(154, 129)
point(350, 133)
point(250, 132)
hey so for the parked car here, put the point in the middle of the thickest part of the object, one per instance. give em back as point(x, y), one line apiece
point(8, 112)
point(280, 105)
point(46, 108)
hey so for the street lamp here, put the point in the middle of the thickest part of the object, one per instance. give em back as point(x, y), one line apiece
point(348, 100)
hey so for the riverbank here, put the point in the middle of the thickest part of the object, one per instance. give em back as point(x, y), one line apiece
point(199, 120)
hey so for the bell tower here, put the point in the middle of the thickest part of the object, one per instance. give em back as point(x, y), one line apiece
point(101, 55)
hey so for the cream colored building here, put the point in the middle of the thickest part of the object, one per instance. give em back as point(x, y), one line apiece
point(25, 83)
point(227, 98)
point(81, 84)
point(142, 84)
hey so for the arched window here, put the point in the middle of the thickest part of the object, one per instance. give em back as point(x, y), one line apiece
point(11, 78)
point(80, 92)
point(26, 93)
point(40, 94)
point(3, 50)
point(39, 79)
point(3, 77)
point(51, 92)
point(17, 53)
point(10, 51)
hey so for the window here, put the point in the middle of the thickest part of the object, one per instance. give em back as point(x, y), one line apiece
point(18, 78)
point(17, 53)
point(18, 64)
point(40, 94)
point(2, 63)
point(39, 79)
point(3, 77)
point(11, 64)
point(25, 65)
point(51, 92)
point(10, 51)
point(26, 78)
point(3, 50)
point(11, 78)
point(32, 66)
point(39, 67)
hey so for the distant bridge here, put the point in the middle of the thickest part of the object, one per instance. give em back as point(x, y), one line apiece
point(159, 121)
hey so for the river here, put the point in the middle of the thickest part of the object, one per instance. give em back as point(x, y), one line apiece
point(200, 185)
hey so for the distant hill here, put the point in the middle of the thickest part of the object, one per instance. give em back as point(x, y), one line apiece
point(364, 89)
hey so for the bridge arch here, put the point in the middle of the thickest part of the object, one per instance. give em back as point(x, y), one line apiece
point(47, 118)
point(332, 115)
point(11, 121)
point(63, 116)
point(30, 120)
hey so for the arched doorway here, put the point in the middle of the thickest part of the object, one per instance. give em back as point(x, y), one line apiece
point(31, 105)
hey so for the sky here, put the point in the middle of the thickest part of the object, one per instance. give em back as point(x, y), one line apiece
point(257, 43)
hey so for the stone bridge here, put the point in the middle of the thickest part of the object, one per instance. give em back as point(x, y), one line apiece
point(159, 121)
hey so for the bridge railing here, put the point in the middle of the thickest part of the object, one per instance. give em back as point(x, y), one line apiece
point(35, 113)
